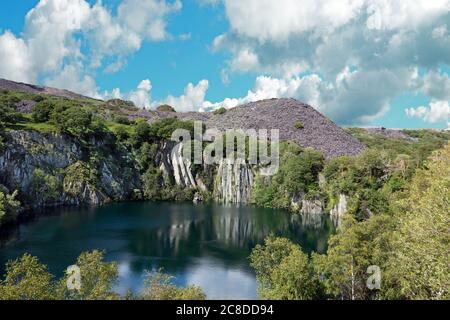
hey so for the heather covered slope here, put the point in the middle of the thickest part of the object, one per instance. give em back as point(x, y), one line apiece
point(30, 88)
point(296, 121)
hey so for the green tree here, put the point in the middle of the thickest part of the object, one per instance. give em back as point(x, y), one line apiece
point(283, 271)
point(160, 286)
point(9, 207)
point(44, 187)
point(78, 122)
point(219, 111)
point(298, 174)
point(97, 278)
point(419, 265)
point(356, 246)
point(151, 180)
point(27, 279)
point(42, 111)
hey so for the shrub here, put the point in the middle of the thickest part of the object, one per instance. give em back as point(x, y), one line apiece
point(121, 133)
point(42, 110)
point(160, 286)
point(164, 128)
point(152, 183)
point(122, 120)
point(79, 123)
point(9, 207)
point(165, 108)
point(298, 173)
point(298, 125)
point(27, 279)
point(282, 270)
point(221, 110)
point(97, 278)
point(44, 187)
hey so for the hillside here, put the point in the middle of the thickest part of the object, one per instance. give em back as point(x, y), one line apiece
point(34, 89)
point(296, 121)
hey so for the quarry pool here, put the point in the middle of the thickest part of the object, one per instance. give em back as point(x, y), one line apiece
point(206, 244)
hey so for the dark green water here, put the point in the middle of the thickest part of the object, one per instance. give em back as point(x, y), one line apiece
point(206, 245)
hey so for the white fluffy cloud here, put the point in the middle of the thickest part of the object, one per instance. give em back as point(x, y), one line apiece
point(335, 98)
point(147, 17)
point(141, 96)
point(50, 48)
point(382, 42)
point(15, 62)
point(72, 78)
point(436, 85)
point(437, 112)
point(192, 99)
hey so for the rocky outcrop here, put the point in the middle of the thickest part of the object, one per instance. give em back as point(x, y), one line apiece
point(304, 206)
point(53, 169)
point(26, 151)
point(181, 168)
point(339, 210)
point(234, 182)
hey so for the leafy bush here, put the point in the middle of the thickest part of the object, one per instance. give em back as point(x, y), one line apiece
point(160, 286)
point(8, 113)
point(283, 271)
point(164, 128)
point(79, 123)
point(165, 108)
point(298, 125)
point(221, 110)
point(9, 207)
point(26, 278)
point(151, 181)
point(97, 279)
point(122, 120)
point(298, 174)
point(121, 133)
point(42, 111)
point(44, 187)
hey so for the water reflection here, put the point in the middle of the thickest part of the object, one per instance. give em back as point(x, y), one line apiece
point(201, 244)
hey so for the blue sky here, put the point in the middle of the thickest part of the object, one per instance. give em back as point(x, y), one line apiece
point(365, 62)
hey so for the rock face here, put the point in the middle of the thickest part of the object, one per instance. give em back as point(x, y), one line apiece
point(339, 210)
point(181, 168)
point(234, 182)
point(56, 164)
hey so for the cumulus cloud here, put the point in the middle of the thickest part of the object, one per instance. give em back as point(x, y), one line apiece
point(436, 85)
point(192, 99)
point(15, 62)
point(50, 48)
point(147, 17)
point(141, 96)
point(335, 98)
point(436, 112)
point(72, 78)
point(382, 42)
